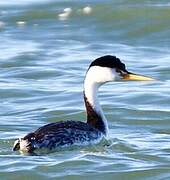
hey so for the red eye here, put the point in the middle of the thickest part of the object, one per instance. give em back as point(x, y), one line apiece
point(119, 71)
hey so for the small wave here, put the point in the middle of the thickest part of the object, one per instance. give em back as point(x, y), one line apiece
point(11, 48)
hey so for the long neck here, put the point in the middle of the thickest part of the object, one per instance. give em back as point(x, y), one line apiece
point(95, 116)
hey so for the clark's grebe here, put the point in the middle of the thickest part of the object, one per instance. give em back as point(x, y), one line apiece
point(69, 133)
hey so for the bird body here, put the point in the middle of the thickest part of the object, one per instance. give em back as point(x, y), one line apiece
point(60, 135)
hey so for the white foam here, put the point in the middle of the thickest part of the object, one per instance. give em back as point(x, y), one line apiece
point(21, 23)
point(65, 14)
point(67, 10)
point(87, 10)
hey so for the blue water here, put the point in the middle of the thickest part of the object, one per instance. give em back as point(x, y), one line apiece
point(43, 61)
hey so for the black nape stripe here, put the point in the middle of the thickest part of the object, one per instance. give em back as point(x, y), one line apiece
point(93, 118)
point(109, 61)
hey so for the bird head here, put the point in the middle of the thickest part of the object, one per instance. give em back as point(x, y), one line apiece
point(110, 68)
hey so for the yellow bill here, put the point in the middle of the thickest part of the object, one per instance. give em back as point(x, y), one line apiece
point(136, 77)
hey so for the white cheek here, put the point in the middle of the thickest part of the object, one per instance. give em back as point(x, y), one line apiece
point(115, 75)
point(107, 75)
point(101, 74)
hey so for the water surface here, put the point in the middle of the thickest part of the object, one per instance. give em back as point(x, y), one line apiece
point(43, 61)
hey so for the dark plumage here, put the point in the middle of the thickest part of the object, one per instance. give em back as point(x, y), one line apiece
point(93, 118)
point(109, 61)
point(60, 134)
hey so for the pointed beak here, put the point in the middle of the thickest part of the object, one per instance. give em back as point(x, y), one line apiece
point(135, 77)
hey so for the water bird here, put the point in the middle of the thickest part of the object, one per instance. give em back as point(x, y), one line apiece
point(65, 134)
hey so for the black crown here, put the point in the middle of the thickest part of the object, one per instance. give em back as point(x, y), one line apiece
point(109, 61)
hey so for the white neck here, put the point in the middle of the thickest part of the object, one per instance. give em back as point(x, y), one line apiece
point(91, 85)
